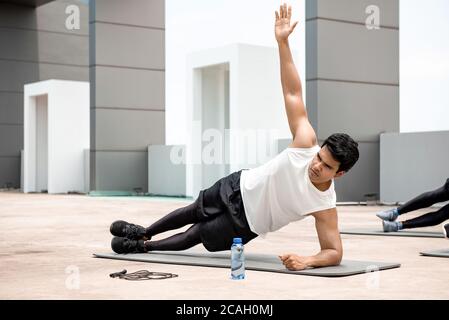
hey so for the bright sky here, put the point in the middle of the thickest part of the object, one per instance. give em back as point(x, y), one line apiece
point(195, 25)
point(424, 94)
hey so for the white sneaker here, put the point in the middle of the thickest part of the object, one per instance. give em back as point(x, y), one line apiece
point(390, 226)
point(388, 215)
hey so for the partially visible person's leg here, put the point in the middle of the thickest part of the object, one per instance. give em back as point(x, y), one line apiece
point(121, 228)
point(174, 220)
point(209, 204)
point(181, 241)
point(213, 203)
point(388, 215)
point(422, 201)
point(426, 199)
point(220, 217)
point(428, 220)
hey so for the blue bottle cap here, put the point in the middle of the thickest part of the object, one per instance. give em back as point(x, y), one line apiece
point(237, 240)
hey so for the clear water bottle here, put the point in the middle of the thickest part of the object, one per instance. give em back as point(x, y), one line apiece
point(237, 260)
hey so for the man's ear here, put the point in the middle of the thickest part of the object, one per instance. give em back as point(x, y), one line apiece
point(338, 175)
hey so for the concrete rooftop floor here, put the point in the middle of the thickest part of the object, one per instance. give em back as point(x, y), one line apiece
point(45, 238)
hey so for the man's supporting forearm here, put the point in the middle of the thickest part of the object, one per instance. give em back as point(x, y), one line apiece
point(325, 258)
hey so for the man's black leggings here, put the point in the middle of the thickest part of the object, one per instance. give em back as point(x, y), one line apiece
point(423, 201)
point(217, 217)
point(174, 220)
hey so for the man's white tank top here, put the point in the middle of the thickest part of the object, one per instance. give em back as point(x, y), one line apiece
point(280, 191)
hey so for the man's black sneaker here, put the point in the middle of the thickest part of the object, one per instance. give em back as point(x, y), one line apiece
point(125, 245)
point(131, 231)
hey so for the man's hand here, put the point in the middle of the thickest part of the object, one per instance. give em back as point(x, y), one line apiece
point(294, 262)
point(282, 27)
point(331, 253)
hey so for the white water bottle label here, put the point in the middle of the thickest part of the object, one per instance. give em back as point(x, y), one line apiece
point(237, 263)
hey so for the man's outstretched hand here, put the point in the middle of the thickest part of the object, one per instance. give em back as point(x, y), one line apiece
point(282, 27)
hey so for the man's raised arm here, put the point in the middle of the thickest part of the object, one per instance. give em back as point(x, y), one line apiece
point(302, 132)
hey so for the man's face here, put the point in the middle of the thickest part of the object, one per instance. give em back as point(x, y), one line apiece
point(324, 167)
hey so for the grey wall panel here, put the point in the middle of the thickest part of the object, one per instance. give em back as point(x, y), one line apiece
point(311, 50)
point(412, 163)
point(38, 46)
point(14, 16)
point(30, 3)
point(125, 46)
point(312, 103)
point(138, 12)
point(353, 81)
point(92, 41)
point(10, 171)
point(51, 17)
point(160, 165)
point(11, 110)
point(11, 140)
point(354, 10)
point(352, 52)
point(63, 48)
point(360, 110)
point(92, 164)
point(127, 71)
point(311, 9)
point(121, 170)
point(92, 126)
point(13, 75)
point(51, 71)
point(130, 88)
point(22, 46)
point(128, 130)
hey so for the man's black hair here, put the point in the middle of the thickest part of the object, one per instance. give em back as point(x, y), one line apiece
point(343, 149)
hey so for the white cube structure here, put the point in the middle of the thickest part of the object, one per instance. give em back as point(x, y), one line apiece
point(235, 91)
point(56, 135)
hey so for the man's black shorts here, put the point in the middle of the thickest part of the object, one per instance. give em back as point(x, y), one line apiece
point(222, 214)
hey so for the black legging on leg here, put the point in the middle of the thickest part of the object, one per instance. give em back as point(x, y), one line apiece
point(174, 220)
point(426, 199)
point(180, 241)
point(429, 219)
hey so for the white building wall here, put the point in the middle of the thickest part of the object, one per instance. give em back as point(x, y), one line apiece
point(256, 108)
point(62, 136)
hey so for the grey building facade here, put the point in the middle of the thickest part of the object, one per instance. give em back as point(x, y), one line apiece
point(352, 75)
point(127, 76)
point(352, 80)
point(120, 48)
point(36, 45)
